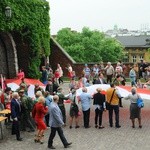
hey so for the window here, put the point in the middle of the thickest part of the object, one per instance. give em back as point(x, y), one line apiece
point(141, 57)
point(134, 58)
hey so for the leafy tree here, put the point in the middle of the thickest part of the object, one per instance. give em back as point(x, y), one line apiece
point(89, 46)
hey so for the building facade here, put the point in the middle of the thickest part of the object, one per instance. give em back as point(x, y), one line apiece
point(136, 48)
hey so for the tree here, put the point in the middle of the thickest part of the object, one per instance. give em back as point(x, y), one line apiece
point(89, 46)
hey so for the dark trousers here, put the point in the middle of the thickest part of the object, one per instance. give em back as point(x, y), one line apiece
point(86, 117)
point(109, 78)
point(60, 80)
point(114, 108)
point(47, 120)
point(60, 133)
point(16, 128)
point(98, 114)
point(26, 121)
point(63, 111)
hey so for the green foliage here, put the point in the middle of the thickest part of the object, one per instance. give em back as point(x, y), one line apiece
point(89, 46)
point(31, 19)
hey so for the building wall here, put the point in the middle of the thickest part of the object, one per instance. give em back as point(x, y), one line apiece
point(140, 53)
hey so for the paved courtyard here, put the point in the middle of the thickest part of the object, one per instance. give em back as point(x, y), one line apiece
point(124, 138)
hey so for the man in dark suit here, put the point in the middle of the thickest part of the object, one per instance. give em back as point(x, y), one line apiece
point(100, 79)
point(56, 123)
point(15, 114)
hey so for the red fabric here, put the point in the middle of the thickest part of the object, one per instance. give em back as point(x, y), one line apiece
point(139, 90)
point(39, 116)
point(67, 101)
point(27, 81)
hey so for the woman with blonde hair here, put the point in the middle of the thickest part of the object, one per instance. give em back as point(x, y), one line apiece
point(135, 111)
point(39, 112)
point(99, 104)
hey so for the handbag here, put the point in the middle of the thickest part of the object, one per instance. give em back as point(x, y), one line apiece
point(108, 103)
point(75, 106)
point(140, 102)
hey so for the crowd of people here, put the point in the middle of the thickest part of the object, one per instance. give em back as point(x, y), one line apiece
point(47, 109)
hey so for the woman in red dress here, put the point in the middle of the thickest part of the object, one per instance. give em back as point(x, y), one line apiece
point(39, 112)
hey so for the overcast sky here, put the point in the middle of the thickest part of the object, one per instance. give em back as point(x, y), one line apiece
point(99, 14)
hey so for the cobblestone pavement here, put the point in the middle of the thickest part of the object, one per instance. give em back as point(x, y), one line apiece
point(124, 138)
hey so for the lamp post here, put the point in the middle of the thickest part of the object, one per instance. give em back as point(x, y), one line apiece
point(8, 12)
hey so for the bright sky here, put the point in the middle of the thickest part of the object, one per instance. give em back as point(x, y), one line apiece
point(99, 14)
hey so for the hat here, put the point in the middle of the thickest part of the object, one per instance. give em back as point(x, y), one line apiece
point(86, 65)
point(21, 91)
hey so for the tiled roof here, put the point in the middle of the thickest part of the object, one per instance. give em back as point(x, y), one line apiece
point(134, 41)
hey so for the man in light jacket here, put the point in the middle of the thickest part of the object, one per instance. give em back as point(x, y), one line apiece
point(56, 123)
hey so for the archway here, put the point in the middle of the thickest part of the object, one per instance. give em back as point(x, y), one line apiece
point(8, 56)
